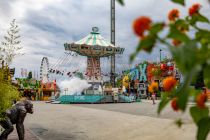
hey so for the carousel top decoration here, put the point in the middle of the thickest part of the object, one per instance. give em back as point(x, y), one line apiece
point(93, 45)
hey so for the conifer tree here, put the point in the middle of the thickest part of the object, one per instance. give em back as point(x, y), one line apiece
point(10, 47)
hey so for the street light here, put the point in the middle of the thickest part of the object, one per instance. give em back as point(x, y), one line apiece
point(65, 89)
point(160, 55)
point(112, 77)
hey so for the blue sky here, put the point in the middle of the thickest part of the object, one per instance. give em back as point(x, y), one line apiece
point(47, 24)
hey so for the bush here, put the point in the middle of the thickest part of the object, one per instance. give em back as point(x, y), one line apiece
point(8, 93)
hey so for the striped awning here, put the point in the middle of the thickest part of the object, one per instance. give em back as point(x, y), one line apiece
point(94, 39)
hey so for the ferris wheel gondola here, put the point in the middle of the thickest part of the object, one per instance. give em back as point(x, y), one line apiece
point(44, 70)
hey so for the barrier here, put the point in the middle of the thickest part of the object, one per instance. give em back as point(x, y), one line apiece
point(68, 99)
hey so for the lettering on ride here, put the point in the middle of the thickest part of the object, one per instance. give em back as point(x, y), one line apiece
point(138, 72)
point(79, 97)
point(142, 69)
point(134, 74)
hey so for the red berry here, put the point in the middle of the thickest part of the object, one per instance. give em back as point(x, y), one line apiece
point(201, 99)
point(174, 104)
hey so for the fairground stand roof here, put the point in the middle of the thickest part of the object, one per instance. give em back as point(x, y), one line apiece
point(93, 45)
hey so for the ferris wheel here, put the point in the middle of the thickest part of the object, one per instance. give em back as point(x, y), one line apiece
point(44, 69)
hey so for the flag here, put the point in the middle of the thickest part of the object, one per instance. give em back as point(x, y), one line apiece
point(22, 72)
point(25, 73)
point(34, 75)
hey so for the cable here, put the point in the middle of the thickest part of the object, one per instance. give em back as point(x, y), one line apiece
point(54, 65)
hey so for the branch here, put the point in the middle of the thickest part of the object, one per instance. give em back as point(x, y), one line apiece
point(164, 42)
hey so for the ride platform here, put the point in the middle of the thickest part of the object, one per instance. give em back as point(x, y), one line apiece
point(94, 99)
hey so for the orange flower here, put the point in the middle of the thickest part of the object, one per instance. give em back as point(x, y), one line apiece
point(153, 87)
point(176, 42)
point(194, 9)
point(169, 83)
point(173, 15)
point(141, 24)
point(150, 89)
point(174, 104)
point(201, 99)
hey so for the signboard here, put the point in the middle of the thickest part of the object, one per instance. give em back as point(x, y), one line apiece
point(65, 89)
point(142, 86)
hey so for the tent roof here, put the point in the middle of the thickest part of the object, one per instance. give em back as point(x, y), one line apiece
point(93, 39)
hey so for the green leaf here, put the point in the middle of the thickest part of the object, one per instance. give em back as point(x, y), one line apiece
point(147, 43)
point(203, 37)
point(164, 101)
point(182, 95)
point(207, 76)
point(177, 34)
point(156, 28)
point(198, 113)
point(185, 56)
point(179, 2)
point(182, 25)
point(197, 18)
point(133, 56)
point(202, 18)
point(121, 2)
point(183, 92)
point(203, 128)
point(194, 93)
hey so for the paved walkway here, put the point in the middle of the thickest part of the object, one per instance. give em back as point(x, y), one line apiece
point(28, 135)
point(143, 108)
point(98, 122)
point(106, 121)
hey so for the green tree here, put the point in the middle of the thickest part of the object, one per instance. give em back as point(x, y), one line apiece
point(119, 82)
point(10, 47)
point(30, 75)
point(8, 93)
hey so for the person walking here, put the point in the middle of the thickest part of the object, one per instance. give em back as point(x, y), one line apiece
point(153, 88)
point(153, 97)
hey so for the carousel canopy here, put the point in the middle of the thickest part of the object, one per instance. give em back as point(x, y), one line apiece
point(93, 45)
point(94, 38)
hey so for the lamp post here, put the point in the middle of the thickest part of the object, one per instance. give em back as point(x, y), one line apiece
point(66, 89)
point(160, 55)
point(112, 78)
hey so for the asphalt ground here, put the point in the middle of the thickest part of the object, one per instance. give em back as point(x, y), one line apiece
point(143, 108)
point(127, 121)
point(29, 135)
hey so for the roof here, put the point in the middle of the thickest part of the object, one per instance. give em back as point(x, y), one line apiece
point(94, 39)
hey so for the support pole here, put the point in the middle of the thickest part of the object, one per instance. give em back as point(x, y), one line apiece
point(112, 77)
point(160, 56)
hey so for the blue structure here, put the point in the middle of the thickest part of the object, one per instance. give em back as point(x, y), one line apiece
point(68, 99)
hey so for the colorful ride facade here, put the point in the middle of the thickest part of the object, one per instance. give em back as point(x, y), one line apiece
point(137, 79)
point(37, 90)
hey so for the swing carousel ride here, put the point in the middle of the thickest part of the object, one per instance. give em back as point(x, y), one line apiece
point(94, 47)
